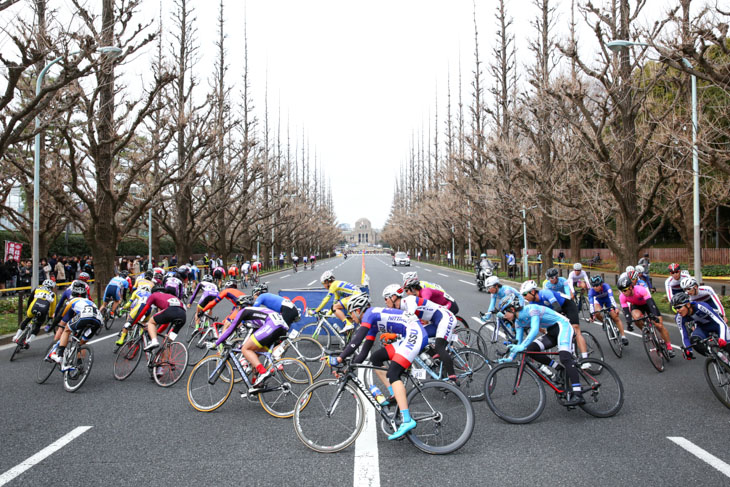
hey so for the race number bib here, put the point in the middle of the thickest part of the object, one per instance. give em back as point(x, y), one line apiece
point(174, 302)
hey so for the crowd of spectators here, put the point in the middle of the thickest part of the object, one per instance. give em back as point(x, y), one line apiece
point(60, 269)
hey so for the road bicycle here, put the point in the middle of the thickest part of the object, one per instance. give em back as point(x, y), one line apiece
point(78, 357)
point(581, 302)
point(211, 382)
point(208, 330)
point(21, 343)
point(305, 349)
point(330, 415)
point(654, 345)
point(612, 332)
point(166, 364)
point(324, 331)
point(717, 369)
point(516, 394)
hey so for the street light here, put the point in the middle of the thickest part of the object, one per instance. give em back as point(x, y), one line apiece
point(112, 52)
point(616, 46)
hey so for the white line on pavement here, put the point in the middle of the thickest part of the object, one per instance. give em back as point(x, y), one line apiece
point(488, 326)
point(426, 269)
point(467, 282)
point(703, 455)
point(113, 335)
point(312, 282)
point(445, 275)
point(284, 277)
point(367, 465)
point(43, 454)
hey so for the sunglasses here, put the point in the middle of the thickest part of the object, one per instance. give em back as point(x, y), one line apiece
point(627, 289)
point(676, 310)
point(675, 272)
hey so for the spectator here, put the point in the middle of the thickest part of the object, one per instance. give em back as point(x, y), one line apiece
point(24, 273)
point(74, 267)
point(53, 261)
point(281, 260)
point(173, 261)
point(44, 270)
point(60, 271)
point(11, 266)
point(561, 256)
point(511, 264)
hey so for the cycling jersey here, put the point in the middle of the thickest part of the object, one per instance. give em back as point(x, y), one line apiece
point(137, 302)
point(256, 266)
point(231, 294)
point(604, 297)
point(173, 282)
point(503, 291)
point(81, 313)
point(281, 305)
point(546, 297)
point(162, 301)
point(233, 271)
point(706, 295)
point(219, 273)
point(671, 285)
point(65, 297)
point(562, 286)
point(533, 317)
point(431, 285)
point(440, 320)
point(707, 321)
point(114, 289)
point(141, 281)
point(639, 299)
point(42, 298)
point(245, 268)
point(574, 278)
point(206, 289)
point(438, 297)
point(269, 325)
point(338, 290)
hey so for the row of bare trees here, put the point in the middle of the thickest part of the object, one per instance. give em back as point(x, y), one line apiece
point(210, 169)
point(586, 140)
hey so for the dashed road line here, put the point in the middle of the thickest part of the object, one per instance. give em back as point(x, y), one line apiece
point(427, 269)
point(284, 277)
point(43, 454)
point(702, 454)
point(467, 282)
point(445, 275)
point(312, 282)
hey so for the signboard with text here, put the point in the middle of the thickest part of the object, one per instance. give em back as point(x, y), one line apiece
point(12, 249)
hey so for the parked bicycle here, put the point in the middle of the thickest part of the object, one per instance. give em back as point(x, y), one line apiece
point(516, 394)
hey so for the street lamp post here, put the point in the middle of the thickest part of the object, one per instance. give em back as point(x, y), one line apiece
point(110, 51)
point(615, 46)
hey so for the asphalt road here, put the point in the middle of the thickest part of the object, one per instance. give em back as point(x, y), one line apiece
point(141, 432)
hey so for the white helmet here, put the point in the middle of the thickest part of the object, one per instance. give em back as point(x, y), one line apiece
point(639, 269)
point(629, 269)
point(392, 290)
point(410, 275)
point(49, 284)
point(491, 281)
point(327, 276)
point(577, 266)
point(527, 286)
point(358, 301)
point(688, 282)
point(684, 274)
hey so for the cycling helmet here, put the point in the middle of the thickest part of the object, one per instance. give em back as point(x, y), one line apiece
point(596, 281)
point(245, 300)
point(159, 270)
point(144, 288)
point(49, 284)
point(629, 269)
point(84, 276)
point(483, 256)
point(552, 272)
point(688, 283)
point(577, 266)
point(674, 267)
point(358, 301)
point(261, 288)
point(392, 290)
point(684, 274)
point(124, 274)
point(639, 269)
point(527, 287)
point(148, 274)
point(78, 289)
point(492, 281)
point(230, 284)
point(624, 283)
point(510, 301)
point(207, 278)
point(248, 262)
point(327, 276)
point(410, 275)
point(410, 283)
point(632, 274)
point(679, 300)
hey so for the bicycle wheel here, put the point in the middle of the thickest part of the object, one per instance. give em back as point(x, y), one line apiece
point(127, 358)
point(322, 335)
point(284, 386)
point(204, 395)
point(191, 331)
point(83, 360)
point(46, 366)
point(584, 310)
point(496, 343)
point(613, 337)
point(514, 402)
point(329, 416)
point(444, 415)
point(468, 338)
point(605, 395)
point(198, 347)
point(309, 351)
point(592, 346)
point(170, 364)
point(718, 378)
point(21, 342)
point(471, 369)
point(108, 320)
point(652, 348)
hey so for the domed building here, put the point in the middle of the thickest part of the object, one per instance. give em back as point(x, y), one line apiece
point(361, 234)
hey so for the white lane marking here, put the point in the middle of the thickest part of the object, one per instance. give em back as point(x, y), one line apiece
point(467, 282)
point(445, 275)
point(113, 335)
point(426, 269)
point(488, 326)
point(367, 466)
point(43, 454)
point(284, 277)
point(312, 282)
point(703, 455)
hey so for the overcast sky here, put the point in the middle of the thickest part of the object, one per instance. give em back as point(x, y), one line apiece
point(360, 78)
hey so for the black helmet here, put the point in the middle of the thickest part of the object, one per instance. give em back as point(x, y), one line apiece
point(679, 300)
point(624, 283)
point(596, 281)
point(78, 288)
point(552, 272)
point(148, 274)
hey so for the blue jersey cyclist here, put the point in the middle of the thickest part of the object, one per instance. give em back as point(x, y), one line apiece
point(79, 314)
point(113, 292)
point(277, 303)
point(559, 332)
point(498, 292)
point(707, 321)
point(563, 290)
point(600, 297)
point(532, 294)
point(386, 320)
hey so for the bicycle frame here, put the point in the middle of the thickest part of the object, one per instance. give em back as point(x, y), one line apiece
point(228, 356)
point(331, 330)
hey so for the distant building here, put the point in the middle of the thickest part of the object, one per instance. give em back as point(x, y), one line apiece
point(15, 202)
point(361, 235)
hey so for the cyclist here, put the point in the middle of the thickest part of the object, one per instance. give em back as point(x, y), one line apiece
point(644, 276)
point(706, 321)
point(208, 290)
point(411, 278)
point(312, 259)
point(544, 297)
point(639, 300)
point(499, 291)
point(255, 269)
point(79, 315)
point(703, 294)
point(233, 272)
point(229, 292)
point(304, 261)
point(113, 292)
point(294, 261)
point(673, 283)
point(437, 320)
point(562, 289)
point(170, 309)
point(413, 287)
point(578, 278)
point(77, 288)
point(635, 277)
point(340, 292)
point(194, 272)
point(183, 273)
point(601, 297)
point(245, 268)
point(158, 274)
point(558, 331)
point(274, 302)
point(401, 354)
point(144, 279)
point(219, 273)
point(43, 303)
point(136, 303)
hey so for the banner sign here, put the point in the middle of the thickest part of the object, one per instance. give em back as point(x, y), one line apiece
point(309, 298)
point(13, 249)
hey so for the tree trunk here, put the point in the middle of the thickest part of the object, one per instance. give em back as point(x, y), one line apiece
point(576, 238)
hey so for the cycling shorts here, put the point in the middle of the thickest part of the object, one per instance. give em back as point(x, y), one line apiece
point(112, 293)
point(570, 310)
point(83, 323)
point(562, 336)
point(267, 335)
point(169, 315)
point(290, 313)
point(406, 350)
point(40, 306)
point(204, 302)
point(644, 308)
point(442, 323)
